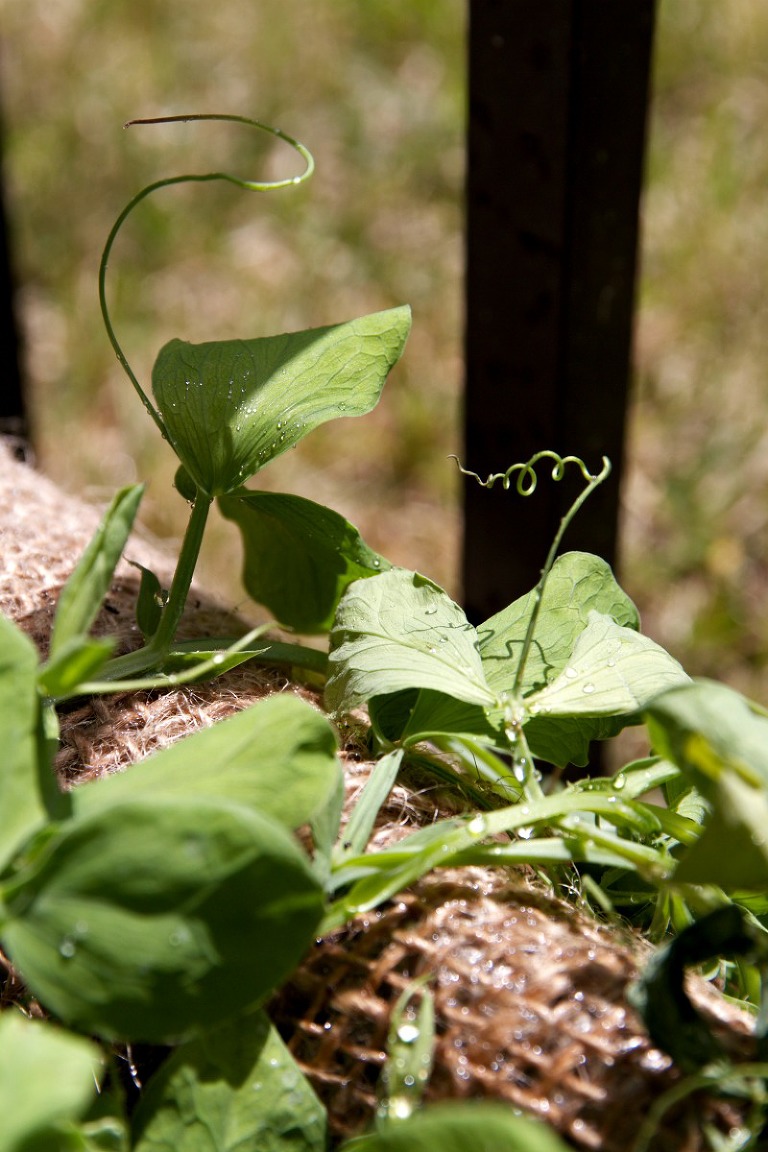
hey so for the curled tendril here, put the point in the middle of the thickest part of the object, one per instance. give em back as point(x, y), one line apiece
point(526, 484)
point(528, 479)
point(197, 177)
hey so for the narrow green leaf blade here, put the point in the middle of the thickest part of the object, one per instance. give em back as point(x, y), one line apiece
point(154, 919)
point(230, 407)
point(82, 595)
point(29, 793)
point(277, 757)
point(461, 1127)
point(236, 1087)
point(47, 1078)
point(299, 556)
point(578, 584)
point(402, 631)
point(77, 661)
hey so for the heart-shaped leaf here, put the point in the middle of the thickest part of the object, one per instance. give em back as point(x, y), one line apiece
point(229, 407)
point(153, 919)
point(299, 556)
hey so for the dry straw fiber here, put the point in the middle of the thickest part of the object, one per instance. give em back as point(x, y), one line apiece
point(530, 993)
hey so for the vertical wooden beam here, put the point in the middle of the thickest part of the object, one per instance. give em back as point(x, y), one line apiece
point(558, 92)
point(13, 412)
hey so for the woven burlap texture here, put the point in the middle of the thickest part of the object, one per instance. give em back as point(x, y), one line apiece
point(530, 993)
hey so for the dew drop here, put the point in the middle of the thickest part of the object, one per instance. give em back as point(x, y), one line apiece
point(570, 673)
point(67, 949)
point(431, 610)
point(408, 1033)
point(619, 782)
point(477, 826)
point(588, 688)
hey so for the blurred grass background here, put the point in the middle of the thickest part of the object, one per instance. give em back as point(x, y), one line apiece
point(376, 90)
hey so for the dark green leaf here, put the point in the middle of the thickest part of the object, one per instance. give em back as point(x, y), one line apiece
point(29, 794)
point(234, 1089)
point(672, 1021)
point(277, 757)
point(299, 556)
point(47, 1079)
point(402, 631)
point(150, 603)
point(461, 1127)
point(578, 584)
point(82, 595)
point(153, 919)
point(230, 407)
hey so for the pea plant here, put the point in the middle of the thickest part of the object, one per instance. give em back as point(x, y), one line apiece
point(166, 904)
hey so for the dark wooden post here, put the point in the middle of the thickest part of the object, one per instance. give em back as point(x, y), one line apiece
point(558, 92)
point(13, 419)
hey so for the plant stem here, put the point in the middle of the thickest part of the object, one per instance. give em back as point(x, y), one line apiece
point(153, 654)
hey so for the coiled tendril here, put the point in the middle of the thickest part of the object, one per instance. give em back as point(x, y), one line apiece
point(250, 185)
point(525, 485)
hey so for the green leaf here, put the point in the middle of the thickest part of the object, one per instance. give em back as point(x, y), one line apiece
point(563, 740)
point(402, 631)
point(29, 794)
point(235, 1088)
point(461, 1127)
point(229, 407)
point(47, 1080)
point(153, 919)
point(672, 1021)
point(579, 583)
point(150, 602)
point(77, 661)
point(732, 851)
point(721, 745)
point(299, 556)
point(612, 671)
point(277, 757)
point(708, 730)
point(82, 595)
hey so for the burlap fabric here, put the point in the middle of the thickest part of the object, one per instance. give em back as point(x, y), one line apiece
point(530, 992)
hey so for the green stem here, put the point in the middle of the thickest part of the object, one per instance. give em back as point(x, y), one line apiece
point(153, 654)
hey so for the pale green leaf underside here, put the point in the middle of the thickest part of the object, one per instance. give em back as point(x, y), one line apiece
point(579, 583)
point(399, 631)
point(612, 671)
point(229, 407)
